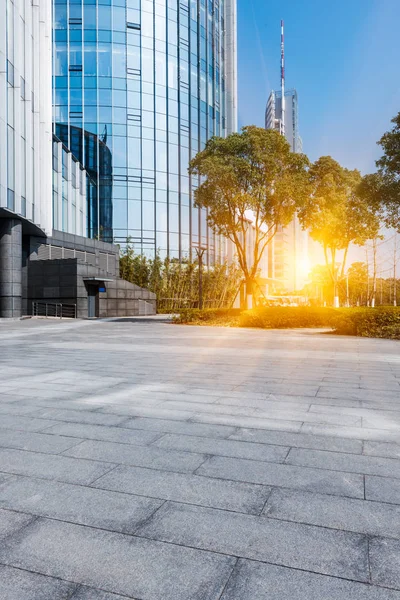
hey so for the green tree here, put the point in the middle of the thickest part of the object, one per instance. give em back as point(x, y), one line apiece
point(357, 275)
point(336, 215)
point(382, 189)
point(175, 282)
point(319, 288)
point(250, 183)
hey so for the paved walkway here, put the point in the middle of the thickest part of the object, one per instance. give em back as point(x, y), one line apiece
point(162, 462)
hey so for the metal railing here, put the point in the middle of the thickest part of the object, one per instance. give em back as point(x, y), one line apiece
point(58, 310)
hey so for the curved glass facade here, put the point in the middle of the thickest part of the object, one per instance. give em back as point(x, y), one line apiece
point(147, 80)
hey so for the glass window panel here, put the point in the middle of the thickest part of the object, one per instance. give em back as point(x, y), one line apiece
point(148, 215)
point(104, 59)
point(104, 17)
point(119, 115)
point(75, 35)
point(147, 25)
point(161, 217)
point(147, 65)
point(119, 98)
point(184, 160)
point(133, 14)
point(160, 33)
point(119, 20)
point(105, 98)
point(173, 217)
point(133, 57)
point(172, 72)
point(148, 193)
point(134, 214)
point(61, 59)
point(147, 117)
point(120, 213)
point(60, 16)
point(90, 96)
point(89, 16)
point(134, 153)
point(148, 154)
point(119, 60)
point(75, 53)
point(10, 158)
point(89, 35)
point(133, 100)
point(161, 158)
point(104, 36)
point(161, 69)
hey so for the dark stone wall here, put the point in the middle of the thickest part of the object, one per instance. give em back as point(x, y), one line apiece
point(10, 268)
point(66, 281)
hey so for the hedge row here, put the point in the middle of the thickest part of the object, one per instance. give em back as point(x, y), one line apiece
point(382, 322)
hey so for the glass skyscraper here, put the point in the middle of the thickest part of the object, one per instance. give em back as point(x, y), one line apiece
point(139, 87)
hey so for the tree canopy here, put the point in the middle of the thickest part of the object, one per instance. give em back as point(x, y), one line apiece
point(381, 190)
point(250, 183)
point(335, 214)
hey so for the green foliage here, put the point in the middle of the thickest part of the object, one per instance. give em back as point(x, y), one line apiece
point(381, 322)
point(281, 317)
point(176, 283)
point(381, 190)
point(335, 214)
point(256, 171)
point(220, 316)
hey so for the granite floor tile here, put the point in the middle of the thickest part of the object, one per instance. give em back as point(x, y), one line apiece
point(85, 593)
point(79, 416)
point(48, 466)
point(182, 427)
point(192, 489)
point(298, 440)
point(289, 544)
point(223, 447)
point(382, 449)
point(156, 458)
point(121, 435)
point(348, 514)
point(258, 581)
point(255, 422)
point(360, 433)
point(11, 522)
point(384, 557)
point(382, 489)
point(77, 504)
point(24, 423)
point(117, 563)
point(287, 476)
point(350, 463)
point(35, 442)
point(16, 584)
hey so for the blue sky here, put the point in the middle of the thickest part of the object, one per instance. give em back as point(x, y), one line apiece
point(342, 56)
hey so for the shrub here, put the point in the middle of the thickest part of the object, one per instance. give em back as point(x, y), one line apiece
point(213, 316)
point(282, 317)
point(382, 322)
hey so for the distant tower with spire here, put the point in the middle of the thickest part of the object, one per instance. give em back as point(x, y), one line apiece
point(282, 107)
point(290, 243)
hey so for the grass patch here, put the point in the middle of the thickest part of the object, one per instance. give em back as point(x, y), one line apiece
point(382, 322)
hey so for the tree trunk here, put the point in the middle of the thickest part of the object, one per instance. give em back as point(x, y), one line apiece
point(249, 292)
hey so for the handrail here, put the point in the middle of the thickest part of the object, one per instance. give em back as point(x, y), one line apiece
point(56, 309)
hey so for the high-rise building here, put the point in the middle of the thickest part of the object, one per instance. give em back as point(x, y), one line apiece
point(287, 124)
point(287, 253)
point(45, 193)
point(145, 83)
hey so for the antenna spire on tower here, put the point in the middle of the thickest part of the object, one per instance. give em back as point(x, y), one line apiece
point(283, 77)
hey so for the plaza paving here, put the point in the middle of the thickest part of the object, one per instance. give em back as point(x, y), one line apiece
point(152, 461)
